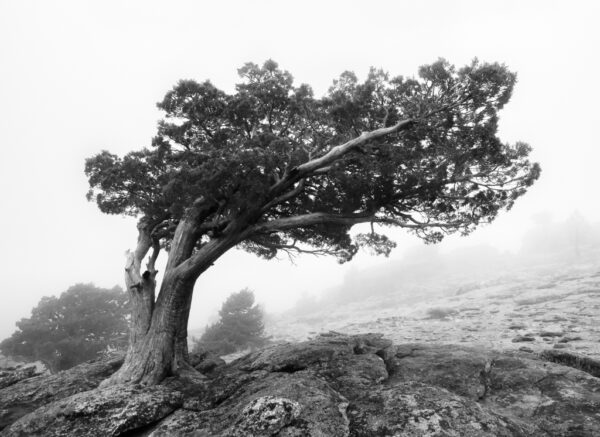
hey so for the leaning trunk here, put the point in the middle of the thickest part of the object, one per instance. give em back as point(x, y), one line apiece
point(158, 329)
point(162, 349)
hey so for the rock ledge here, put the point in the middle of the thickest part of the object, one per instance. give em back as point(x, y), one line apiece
point(333, 385)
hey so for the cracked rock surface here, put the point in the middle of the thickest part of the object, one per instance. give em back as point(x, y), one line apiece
point(345, 385)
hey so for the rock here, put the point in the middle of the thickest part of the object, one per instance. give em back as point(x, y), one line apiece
point(517, 326)
point(9, 377)
point(415, 409)
point(560, 346)
point(551, 334)
point(567, 339)
point(109, 411)
point(522, 338)
point(315, 408)
point(576, 361)
point(526, 349)
point(266, 416)
point(380, 390)
point(182, 422)
point(206, 361)
point(554, 400)
point(29, 394)
point(339, 385)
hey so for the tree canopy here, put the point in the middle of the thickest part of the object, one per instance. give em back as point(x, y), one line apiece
point(72, 328)
point(240, 325)
point(276, 168)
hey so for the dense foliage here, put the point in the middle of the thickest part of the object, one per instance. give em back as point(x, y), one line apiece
point(74, 327)
point(416, 152)
point(240, 326)
point(272, 168)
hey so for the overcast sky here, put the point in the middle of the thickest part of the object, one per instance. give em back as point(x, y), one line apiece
point(80, 76)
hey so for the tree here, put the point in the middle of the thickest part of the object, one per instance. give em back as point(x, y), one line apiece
point(67, 330)
point(271, 168)
point(240, 326)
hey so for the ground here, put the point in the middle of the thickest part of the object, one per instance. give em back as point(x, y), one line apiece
point(514, 355)
point(555, 306)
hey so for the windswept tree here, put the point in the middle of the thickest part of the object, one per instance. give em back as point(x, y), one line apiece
point(272, 168)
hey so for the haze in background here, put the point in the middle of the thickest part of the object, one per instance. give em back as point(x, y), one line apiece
point(78, 77)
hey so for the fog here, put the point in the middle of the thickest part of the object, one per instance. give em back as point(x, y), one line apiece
point(78, 77)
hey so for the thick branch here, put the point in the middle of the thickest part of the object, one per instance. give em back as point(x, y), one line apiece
point(188, 231)
point(318, 218)
point(133, 276)
point(338, 151)
point(305, 220)
point(141, 287)
point(151, 265)
point(284, 197)
point(204, 257)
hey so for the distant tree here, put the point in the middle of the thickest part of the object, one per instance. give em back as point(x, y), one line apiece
point(67, 330)
point(271, 168)
point(240, 326)
point(571, 239)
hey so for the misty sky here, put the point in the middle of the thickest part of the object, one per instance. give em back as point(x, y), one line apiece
point(80, 76)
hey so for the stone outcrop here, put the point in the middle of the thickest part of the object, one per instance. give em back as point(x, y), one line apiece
point(339, 385)
point(110, 411)
point(11, 376)
point(25, 396)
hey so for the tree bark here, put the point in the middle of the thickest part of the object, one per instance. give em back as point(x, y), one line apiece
point(158, 339)
point(162, 350)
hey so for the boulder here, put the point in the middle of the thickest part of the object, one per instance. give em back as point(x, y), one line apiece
point(9, 377)
point(109, 411)
point(206, 361)
point(28, 394)
point(556, 400)
point(577, 361)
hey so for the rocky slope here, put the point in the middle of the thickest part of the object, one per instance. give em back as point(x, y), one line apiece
point(553, 306)
point(332, 385)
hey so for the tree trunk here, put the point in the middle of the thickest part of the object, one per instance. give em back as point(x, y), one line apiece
point(162, 349)
point(158, 330)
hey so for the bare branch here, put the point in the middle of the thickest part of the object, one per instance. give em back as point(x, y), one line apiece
point(293, 249)
point(287, 196)
point(151, 265)
point(317, 218)
point(338, 151)
point(305, 220)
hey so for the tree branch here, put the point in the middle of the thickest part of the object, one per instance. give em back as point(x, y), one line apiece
point(293, 249)
point(287, 196)
point(318, 218)
point(338, 151)
point(305, 220)
point(151, 265)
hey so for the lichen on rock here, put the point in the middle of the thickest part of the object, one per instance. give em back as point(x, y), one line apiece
point(338, 385)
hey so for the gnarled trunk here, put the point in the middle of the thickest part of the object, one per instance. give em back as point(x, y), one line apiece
point(158, 329)
point(158, 346)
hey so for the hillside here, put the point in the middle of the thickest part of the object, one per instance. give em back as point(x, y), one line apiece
point(554, 305)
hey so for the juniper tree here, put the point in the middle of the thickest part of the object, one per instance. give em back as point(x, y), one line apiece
point(272, 168)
